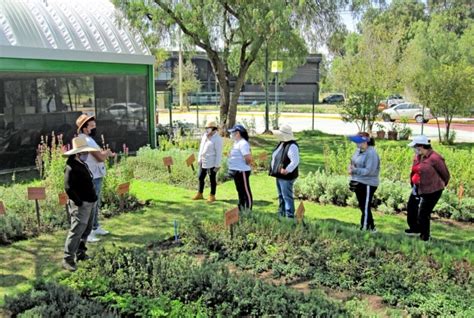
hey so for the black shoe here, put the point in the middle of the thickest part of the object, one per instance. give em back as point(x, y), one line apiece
point(424, 238)
point(69, 266)
point(410, 232)
point(82, 257)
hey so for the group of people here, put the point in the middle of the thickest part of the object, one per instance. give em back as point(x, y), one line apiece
point(428, 177)
point(85, 170)
point(83, 179)
point(284, 165)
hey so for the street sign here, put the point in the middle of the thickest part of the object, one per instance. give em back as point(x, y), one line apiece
point(277, 66)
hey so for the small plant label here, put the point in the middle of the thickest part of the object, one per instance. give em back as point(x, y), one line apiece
point(36, 193)
point(263, 156)
point(63, 198)
point(168, 162)
point(190, 161)
point(2, 208)
point(232, 216)
point(300, 212)
point(123, 188)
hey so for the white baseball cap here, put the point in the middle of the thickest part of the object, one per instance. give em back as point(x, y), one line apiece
point(419, 140)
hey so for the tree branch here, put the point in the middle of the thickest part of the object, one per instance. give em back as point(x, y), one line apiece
point(204, 45)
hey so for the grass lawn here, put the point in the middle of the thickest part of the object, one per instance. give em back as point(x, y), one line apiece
point(24, 261)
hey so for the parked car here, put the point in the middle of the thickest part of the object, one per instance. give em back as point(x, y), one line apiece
point(126, 110)
point(407, 110)
point(391, 101)
point(333, 98)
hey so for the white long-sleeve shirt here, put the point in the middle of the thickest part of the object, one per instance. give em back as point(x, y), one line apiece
point(293, 155)
point(210, 151)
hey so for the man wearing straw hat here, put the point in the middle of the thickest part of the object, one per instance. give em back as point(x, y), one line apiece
point(86, 126)
point(284, 167)
point(209, 160)
point(82, 198)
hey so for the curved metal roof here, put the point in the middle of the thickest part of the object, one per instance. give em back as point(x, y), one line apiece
point(67, 26)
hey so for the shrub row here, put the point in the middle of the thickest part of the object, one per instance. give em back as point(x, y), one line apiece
point(136, 272)
point(391, 196)
point(404, 273)
point(396, 162)
point(20, 219)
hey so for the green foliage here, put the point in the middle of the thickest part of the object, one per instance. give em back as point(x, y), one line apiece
point(113, 277)
point(404, 274)
point(11, 228)
point(51, 300)
point(190, 83)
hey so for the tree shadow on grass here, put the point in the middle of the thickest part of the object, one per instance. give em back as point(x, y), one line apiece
point(12, 280)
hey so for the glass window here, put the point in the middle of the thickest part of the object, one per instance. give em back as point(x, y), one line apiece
point(34, 105)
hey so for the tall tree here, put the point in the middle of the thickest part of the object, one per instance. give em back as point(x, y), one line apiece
point(439, 69)
point(233, 32)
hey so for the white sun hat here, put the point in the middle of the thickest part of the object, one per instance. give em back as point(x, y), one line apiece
point(285, 133)
point(79, 144)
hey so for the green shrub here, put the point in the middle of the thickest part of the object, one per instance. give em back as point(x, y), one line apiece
point(11, 228)
point(51, 300)
point(338, 256)
point(396, 162)
point(391, 196)
point(180, 277)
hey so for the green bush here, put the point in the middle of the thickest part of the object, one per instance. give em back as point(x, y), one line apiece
point(396, 162)
point(391, 196)
point(55, 301)
point(180, 277)
point(336, 256)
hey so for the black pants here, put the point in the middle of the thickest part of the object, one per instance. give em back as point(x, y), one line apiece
point(212, 177)
point(419, 210)
point(365, 194)
point(242, 184)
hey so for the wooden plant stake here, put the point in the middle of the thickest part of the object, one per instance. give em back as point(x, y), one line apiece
point(37, 193)
point(121, 190)
point(62, 199)
point(231, 217)
point(190, 161)
point(2, 208)
point(168, 162)
point(300, 213)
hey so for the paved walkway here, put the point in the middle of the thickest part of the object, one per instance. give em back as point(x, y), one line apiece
point(327, 123)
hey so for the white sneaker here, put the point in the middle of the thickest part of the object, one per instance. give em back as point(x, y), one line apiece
point(100, 231)
point(92, 238)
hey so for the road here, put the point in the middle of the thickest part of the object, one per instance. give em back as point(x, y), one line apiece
point(327, 123)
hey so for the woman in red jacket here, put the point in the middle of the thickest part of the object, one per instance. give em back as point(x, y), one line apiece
point(429, 176)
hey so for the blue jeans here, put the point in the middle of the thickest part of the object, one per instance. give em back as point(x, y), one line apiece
point(95, 211)
point(286, 202)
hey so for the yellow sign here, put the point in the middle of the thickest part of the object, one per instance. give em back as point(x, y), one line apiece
point(277, 66)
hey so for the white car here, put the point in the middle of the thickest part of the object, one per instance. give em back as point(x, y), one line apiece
point(126, 110)
point(407, 110)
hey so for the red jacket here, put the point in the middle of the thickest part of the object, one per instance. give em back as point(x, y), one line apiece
point(434, 174)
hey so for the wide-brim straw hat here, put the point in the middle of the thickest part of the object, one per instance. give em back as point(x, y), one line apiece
point(211, 124)
point(81, 120)
point(285, 133)
point(79, 144)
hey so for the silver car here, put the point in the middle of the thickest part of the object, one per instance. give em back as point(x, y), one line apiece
point(407, 110)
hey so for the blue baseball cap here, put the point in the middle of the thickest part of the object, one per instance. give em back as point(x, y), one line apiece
point(238, 127)
point(359, 139)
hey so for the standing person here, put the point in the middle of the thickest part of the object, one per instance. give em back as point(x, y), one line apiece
point(82, 198)
point(86, 126)
point(364, 170)
point(284, 167)
point(429, 176)
point(209, 160)
point(239, 162)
